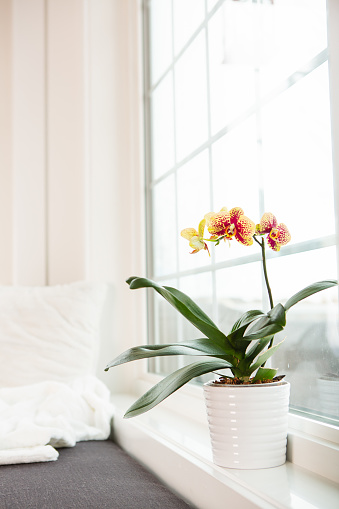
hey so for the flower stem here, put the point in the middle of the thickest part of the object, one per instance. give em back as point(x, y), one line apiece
point(263, 256)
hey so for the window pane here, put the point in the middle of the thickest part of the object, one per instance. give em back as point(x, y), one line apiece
point(296, 139)
point(160, 37)
point(188, 15)
point(305, 23)
point(164, 227)
point(232, 86)
point(238, 290)
point(162, 127)
point(236, 178)
point(211, 4)
point(199, 288)
point(165, 322)
point(310, 353)
point(241, 117)
point(191, 98)
point(193, 202)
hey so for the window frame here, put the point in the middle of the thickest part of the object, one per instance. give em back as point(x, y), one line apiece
point(306, 434)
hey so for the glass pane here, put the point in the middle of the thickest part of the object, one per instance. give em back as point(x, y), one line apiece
point(239, 289)
point(199, 287)
point(211, 4)
point(280, 56)
point(268, 92)
point(297, 148)
point(166, 330)
point(164, 227)
point(310, 354)
point(232, 86)
point(193, 203)
point(187, 15)
point(160, 37)
point(162, 127)
point(236, 179)
point(171, 327)
point(191, 98)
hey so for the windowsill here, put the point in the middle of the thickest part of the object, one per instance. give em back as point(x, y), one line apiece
point(177, 450)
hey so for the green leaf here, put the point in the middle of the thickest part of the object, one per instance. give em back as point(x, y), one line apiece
point(236, 337)
point(264, 356)
point(245, 320)
point(268, 325)
point(140, 282)
point(269, 330)
point(188, 308)
point(172, 383)
point(265, 374)
point(309, 290)
point(256, 348)
point(202, 346)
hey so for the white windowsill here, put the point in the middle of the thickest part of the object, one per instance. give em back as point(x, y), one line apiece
point(177, 450)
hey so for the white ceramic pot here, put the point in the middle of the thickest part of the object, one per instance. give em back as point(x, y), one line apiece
point(248, 424)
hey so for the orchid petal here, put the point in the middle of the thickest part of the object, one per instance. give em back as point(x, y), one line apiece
point(267, 222)
point(202, 228)
point(245, 230)
point(188, 233)
point(196, 243)
point(235, 214)
point(219, 223)
point(282, 237)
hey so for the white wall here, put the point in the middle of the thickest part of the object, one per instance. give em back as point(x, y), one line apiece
point(71, 187)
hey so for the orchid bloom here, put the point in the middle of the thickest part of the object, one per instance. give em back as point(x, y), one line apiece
point(196, 238)
point(277, 234)
point(229, 224)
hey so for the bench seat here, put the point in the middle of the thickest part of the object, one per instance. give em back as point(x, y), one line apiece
point(91, 475)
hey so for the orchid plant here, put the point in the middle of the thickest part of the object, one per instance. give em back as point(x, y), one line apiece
point(245, 349)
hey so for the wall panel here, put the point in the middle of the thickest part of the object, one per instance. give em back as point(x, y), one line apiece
point(66, 168)
point(28, 142)
point(6, 184)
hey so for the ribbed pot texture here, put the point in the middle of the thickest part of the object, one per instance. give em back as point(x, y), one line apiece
point(248, 424)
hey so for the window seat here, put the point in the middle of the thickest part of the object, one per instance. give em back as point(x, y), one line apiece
point(91, 475)
point(177, 449)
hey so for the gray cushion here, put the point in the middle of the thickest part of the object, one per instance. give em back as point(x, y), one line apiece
point(95, 474)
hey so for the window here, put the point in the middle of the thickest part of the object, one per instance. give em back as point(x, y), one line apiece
point(238, 114)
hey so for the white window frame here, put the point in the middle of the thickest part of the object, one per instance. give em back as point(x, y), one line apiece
point(311, 444)
point(298, 425)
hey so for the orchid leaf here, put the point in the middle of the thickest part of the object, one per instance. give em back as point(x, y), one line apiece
point(201, 346)
point(261, 359)
point(236, 336)
point(256, 348)
point(308, 291)
point(244, 321)
point(265, 374)
point(188, 308)
point(275, 315)
point(269, 330)
point(173, 382)
point(268, 325)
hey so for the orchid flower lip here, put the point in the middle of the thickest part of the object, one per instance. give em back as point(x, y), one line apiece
point(274, 233)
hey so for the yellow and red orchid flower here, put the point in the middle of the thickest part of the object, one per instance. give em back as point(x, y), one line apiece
point(277, 234)
point(196, 238)
point(229, 224)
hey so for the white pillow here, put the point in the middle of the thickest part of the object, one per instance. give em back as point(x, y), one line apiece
point(49, 333)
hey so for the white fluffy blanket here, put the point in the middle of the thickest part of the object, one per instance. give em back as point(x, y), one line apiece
point(35, 419)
